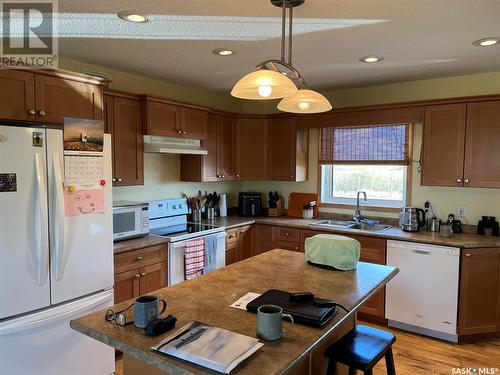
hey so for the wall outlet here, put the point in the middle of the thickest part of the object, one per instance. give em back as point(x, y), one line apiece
point(461, 211)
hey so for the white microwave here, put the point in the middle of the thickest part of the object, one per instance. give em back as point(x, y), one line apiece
point(130, 219)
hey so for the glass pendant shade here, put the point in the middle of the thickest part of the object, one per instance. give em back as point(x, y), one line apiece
point(305, 101)
point(263, 84)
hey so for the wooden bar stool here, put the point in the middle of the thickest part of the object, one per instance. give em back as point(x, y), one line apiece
point(361, 349)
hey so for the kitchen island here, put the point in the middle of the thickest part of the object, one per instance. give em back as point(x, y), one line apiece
point(207, 299)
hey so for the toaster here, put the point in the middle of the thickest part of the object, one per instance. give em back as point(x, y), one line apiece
point(249, 204)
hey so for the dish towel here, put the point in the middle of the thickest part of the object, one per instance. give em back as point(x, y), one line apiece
point(331, 250)
point(194, 258)
point(210, 254)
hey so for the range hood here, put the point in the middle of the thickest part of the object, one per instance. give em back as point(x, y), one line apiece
point(168, 145)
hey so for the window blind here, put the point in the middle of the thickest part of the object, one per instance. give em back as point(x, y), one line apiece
point(365, 144)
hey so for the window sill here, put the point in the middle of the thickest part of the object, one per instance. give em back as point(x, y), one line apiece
point(363, 207)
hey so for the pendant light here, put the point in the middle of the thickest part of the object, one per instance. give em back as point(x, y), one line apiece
point(276, 79)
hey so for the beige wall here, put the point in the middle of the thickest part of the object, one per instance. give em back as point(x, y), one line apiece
point(161, 178)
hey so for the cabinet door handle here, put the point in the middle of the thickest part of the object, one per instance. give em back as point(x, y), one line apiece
point(139, 258)
point(287, 234)
point(32, 112)
point(143, 274)
point(183, 132)
point(223, 176)
point(459, 180)
point(238, 175)
point(113, 179)
point(296, 247)
point(41, 113)
point(293, 177)
point(466, 180)
point(137, 276)
point(467, 255)
point(119, 179)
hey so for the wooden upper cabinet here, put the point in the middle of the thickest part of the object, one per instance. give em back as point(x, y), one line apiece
point(108, 114)
point(479, 300)
point(17, 96)
point(443, 145)
point(128, 142)
point(162, 119)
point(225, 147)
point(482, 145)
point(288, 150)
point(194, 123)
point(168, 119)
point(203, 168)
point(251, 148)
point(122, 118)
point(57, 98)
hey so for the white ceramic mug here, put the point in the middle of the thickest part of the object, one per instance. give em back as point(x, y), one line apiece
point(269, 322)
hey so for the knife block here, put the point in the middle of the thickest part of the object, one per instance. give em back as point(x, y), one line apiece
point(278, 211)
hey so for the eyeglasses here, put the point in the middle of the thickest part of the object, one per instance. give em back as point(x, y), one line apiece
point(118, 317)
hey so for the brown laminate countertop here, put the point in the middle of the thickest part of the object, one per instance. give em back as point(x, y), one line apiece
point(462, 240)
point(208, 297)
point(137, 243)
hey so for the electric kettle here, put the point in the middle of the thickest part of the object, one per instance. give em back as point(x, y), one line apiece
point(411, 219)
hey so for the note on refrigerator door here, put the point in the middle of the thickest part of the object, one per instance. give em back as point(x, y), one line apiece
point(83, 201)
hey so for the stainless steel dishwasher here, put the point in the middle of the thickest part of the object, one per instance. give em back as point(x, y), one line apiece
point(423, 296)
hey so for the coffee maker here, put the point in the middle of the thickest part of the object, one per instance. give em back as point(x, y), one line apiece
point(411, 219)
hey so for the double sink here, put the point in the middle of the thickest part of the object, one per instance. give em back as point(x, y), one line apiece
point(340, 224)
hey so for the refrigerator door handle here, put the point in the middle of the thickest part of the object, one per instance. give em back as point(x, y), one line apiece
point(58, 219)
point(41, 226)
point(54, 314)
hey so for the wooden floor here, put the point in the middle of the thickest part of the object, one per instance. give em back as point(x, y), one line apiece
point(419, 355)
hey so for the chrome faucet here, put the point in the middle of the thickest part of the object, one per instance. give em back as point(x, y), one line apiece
point(357, 212)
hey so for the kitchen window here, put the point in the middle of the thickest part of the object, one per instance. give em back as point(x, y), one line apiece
point(370, 158)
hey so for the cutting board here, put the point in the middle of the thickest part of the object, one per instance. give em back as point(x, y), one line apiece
point(297, 200)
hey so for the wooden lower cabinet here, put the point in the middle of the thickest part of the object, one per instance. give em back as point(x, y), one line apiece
point(238, 244)
point(140, 272)
point(479, 298)
point(245, 240)
point(232, 255)
point(126, 285)
point(263, 238)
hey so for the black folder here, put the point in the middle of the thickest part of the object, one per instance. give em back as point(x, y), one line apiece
point(303, 312)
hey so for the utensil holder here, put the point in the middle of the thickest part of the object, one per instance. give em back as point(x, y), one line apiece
point(196, 215)
point(211, 213)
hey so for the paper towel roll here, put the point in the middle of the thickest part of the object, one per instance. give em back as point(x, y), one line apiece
point(223, 205)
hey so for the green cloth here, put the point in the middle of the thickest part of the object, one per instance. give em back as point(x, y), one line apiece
point(335, 251)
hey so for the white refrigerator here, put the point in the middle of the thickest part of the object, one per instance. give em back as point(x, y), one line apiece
point(52, 268)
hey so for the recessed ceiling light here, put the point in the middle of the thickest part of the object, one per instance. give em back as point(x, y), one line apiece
point(371, 59)
point(132, 16)
point(486, 42)
point(224, 52)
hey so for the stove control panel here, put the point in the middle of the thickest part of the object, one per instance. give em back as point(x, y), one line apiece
point(167, 208)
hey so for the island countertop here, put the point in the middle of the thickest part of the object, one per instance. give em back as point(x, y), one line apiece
point(208, 297)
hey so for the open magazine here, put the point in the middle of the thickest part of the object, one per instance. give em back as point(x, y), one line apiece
point(215, 348)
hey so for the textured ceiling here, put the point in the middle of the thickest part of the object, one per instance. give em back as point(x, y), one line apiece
point(418, 39)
